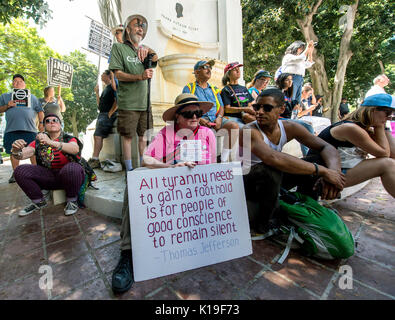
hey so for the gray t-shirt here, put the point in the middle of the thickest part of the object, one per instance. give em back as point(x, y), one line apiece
point(20, 118)
point(51, 107)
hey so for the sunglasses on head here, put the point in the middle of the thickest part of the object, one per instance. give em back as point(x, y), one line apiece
point(266, 107)
point(387, 111)
point(54, 120)
point(190, 114)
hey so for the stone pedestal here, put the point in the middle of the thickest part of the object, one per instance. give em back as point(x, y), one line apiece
point(181, 38)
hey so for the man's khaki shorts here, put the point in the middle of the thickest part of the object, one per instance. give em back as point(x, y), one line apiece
point(132, 122)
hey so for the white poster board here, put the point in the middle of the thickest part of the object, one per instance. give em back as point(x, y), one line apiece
point(183, 218)
point(100, 39)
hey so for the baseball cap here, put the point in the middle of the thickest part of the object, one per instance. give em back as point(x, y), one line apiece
point(201, 63)
point(18, 76)
point(263, 74)
point(231, 66)
point(379, 100)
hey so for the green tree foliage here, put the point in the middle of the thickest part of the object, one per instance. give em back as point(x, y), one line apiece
point(23, 51)
point(270, 26)
point(38, 10)
point(82, 110)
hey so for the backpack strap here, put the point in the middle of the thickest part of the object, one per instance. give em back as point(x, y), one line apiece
point(292, 235)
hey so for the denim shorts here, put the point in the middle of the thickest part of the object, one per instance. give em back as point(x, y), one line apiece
point(104, 125)
point(12, 136)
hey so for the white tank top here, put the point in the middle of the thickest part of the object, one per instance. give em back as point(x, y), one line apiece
point(249, 158)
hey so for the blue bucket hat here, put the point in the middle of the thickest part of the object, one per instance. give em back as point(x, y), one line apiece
point(379, 100)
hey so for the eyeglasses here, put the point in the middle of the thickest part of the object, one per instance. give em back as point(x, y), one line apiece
point(266, 107)
point(140, 25)
point(190, 114)
point(205, 67)
point(54, 120)
point(387, 111)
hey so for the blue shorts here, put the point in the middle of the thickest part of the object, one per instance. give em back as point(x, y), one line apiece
point(12, 136)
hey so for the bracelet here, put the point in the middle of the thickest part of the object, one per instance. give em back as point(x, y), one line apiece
point(17, 154)
point(220, 116)
point(60, 147)
point(315, 174)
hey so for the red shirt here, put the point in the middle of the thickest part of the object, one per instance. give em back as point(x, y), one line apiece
point(59, 159)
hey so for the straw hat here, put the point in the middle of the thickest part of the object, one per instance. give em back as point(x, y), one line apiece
point(183, 100)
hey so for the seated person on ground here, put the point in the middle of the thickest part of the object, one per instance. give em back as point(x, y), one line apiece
point(237, 100)
point(363, 132)
point(213, 118)
point(266, 168)
point(167, 151)
point(58, 166)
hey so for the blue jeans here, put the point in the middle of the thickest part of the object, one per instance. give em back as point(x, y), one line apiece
point(297, 83)
point(303, 148)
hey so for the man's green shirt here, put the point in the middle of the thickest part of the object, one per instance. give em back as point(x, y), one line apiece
point(130, 95)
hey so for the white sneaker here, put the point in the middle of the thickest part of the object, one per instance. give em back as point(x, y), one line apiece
point(32, 207)
point(70, 208)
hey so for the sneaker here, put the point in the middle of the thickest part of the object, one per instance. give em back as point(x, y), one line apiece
point(94, 163)
point(111, 166)
point(122, 277)
point(70, 208)
point(32, 207)
point(12, 179)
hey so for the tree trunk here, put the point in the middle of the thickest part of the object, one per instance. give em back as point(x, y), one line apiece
point(332, 96)
point(344, 57)
point(74, 123)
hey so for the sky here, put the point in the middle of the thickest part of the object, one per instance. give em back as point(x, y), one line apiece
point(69, 27)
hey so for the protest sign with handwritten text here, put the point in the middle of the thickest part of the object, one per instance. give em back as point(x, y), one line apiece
point(184, 218)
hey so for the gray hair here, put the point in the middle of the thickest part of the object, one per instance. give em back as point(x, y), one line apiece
point(379, 78)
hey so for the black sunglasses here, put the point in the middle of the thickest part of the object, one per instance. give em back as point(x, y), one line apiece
point(190, 114)
point(54, 120)
point(266, 107)
point(205, 67)
point(387, 111)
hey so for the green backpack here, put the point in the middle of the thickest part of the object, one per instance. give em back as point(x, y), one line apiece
point(319, 230)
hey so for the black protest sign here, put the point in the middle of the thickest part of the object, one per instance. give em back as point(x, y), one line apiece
point(59, 73)
point(21, 97)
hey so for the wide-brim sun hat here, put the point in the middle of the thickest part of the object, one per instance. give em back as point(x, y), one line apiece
point(183, 100)
point(379, 100)
point(136, 16)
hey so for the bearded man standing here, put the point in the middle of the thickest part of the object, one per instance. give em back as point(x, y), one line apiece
point(127, 62)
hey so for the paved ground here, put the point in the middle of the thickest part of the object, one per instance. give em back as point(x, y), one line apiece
point(83, 250)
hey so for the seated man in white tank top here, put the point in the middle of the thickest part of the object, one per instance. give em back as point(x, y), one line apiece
point(266, 168)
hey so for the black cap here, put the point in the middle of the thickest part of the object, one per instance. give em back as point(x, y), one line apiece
point(18, 76)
